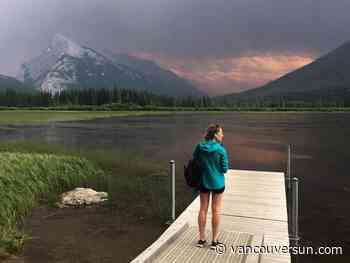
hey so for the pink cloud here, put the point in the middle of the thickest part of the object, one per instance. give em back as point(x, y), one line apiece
point(231, 74)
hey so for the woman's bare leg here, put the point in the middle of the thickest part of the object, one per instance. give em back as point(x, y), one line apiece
point(202, 215)
point(216, 209)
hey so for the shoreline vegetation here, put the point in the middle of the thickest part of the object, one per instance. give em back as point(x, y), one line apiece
point(35, 173)
point(29, 116)
point(16, 115)
point(134, 100)
point(130, 109)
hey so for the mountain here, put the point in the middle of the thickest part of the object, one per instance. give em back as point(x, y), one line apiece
point(165, 81)
point(326, 77)
point(11, 83)
point(66, 64)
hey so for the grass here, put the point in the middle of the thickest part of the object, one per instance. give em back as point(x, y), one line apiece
point(32, 173)
point(25, 178)
point(42, 116)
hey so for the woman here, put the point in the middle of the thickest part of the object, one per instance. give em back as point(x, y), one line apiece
point(214, 162)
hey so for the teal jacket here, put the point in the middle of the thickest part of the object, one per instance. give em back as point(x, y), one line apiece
point(214, 160)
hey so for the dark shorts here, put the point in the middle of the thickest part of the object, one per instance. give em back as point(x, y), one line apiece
point(203, 189)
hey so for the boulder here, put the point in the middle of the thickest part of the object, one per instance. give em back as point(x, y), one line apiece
point(82, 197)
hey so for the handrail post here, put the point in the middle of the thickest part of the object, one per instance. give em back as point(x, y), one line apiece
point(172, 165)
point(295, 211)
point(288, 168)
point(172, 191)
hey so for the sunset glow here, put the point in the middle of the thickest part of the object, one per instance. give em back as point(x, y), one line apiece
point(233, 74)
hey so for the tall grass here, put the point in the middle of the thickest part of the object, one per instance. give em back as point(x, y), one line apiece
point(34, 172)
point(25, 178)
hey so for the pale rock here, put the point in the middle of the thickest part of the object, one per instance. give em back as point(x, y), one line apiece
point(82, 196)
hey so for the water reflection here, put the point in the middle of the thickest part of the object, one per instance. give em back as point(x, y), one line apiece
point(254, 141)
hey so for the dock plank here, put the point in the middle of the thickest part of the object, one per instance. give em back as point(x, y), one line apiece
point(254, 212)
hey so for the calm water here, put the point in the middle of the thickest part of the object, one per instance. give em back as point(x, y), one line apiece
point(320, 154)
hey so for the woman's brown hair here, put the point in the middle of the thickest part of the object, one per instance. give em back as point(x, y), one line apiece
point(211, 131)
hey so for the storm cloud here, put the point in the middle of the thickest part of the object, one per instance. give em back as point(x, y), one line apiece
point(171, 31)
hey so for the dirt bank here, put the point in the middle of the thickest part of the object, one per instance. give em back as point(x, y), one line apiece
point(84, 235)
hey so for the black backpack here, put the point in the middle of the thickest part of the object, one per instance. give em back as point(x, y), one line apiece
point(193, 173)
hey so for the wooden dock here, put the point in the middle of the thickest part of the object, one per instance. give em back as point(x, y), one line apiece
point(254, 213)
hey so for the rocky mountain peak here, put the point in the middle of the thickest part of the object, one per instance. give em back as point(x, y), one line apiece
point(65, 64)
point(62, 45)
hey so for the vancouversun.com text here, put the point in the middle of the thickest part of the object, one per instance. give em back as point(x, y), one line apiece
point(293, 250)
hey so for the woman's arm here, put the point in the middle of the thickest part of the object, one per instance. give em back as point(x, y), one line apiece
point(224, 160)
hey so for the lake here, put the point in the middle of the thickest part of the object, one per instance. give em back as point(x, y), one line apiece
point(256, 141)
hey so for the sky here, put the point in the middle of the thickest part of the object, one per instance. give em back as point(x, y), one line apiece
point(223, 46)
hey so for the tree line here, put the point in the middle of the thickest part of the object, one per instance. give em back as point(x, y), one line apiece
point(142, 98)
point(100, 96)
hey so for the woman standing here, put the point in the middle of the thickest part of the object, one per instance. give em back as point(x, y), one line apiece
point(214, 163)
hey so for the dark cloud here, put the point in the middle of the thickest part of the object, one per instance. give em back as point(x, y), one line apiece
point(180, 28)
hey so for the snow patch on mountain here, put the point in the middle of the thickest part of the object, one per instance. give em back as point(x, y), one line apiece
point(60, 46)
point(63, 74)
